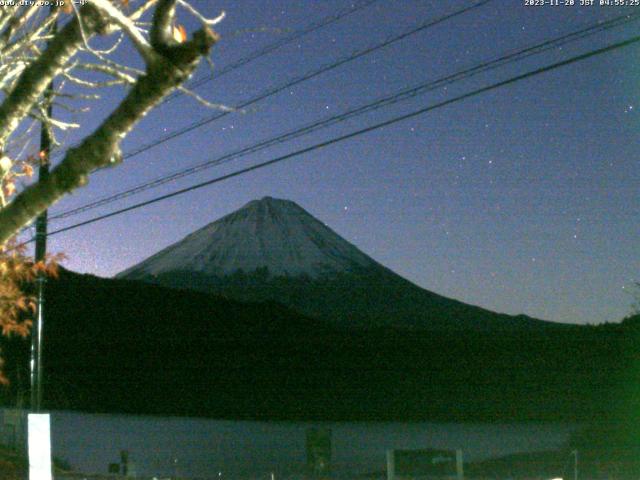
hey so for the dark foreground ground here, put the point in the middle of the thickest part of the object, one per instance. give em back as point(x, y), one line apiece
point(526, 466)
point(122, 347)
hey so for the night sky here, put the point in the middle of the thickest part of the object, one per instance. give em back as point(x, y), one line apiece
point(521, 200)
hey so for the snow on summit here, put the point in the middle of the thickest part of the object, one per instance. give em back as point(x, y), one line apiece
point(273, 233)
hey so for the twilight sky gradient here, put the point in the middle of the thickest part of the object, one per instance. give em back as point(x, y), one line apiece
point(521, 200)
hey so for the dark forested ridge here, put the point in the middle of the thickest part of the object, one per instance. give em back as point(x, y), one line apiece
point(123, 346)
point(360, 299)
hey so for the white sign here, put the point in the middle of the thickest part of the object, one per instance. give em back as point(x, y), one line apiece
point(39, 446)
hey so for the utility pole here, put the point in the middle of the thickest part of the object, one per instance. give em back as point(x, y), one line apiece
point(41, 251)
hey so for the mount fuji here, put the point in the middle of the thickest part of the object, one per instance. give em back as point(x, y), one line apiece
point(272, 234)
point(274, 250)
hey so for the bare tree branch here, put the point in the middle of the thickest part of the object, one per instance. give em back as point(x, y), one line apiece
point(162, 28)
point(171, 67)
point(35, 78)
point(128, 27)
point(32, 56)
point(16, 22)
point(142, 9)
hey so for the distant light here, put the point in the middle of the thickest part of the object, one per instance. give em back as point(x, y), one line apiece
point(557, 478)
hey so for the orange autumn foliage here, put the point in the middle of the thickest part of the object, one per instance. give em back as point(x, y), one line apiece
point(18, 271)
point(179, 34)
point(17, 304)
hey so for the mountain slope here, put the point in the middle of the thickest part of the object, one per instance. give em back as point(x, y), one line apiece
point(274, 234)
point(273, 249)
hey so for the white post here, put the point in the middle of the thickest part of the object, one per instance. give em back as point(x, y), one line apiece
point(39, 441)
point(391, 465)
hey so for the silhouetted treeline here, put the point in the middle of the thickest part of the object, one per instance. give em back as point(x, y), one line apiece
point(121, 346)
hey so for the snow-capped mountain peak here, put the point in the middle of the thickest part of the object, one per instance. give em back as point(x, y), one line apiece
point(268, 233)
point(310, 269)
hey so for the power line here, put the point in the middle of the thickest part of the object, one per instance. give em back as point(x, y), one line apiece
point(404, 94)
point(356, 133)
point(274, 46)
point(303, 78)
point(312, 27)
